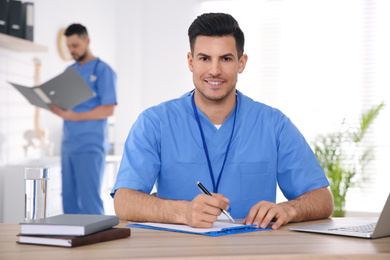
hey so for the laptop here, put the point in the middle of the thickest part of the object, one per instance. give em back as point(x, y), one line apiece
point(363, 228)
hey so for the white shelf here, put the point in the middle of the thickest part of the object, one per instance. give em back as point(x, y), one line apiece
point(18, 44)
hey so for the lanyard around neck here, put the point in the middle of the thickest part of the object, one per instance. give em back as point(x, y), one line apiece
point(215, 185)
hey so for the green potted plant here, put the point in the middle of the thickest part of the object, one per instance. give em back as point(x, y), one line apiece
point(344, 158)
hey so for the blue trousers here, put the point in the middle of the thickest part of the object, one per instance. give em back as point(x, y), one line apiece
point(82, 177)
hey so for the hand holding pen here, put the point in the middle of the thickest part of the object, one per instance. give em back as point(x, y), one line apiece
point(205, 191)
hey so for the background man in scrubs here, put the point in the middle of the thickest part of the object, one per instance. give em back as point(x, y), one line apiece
point(85, 140)
point(237, 148)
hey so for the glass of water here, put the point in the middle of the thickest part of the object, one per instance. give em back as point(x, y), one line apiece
point(35, 192)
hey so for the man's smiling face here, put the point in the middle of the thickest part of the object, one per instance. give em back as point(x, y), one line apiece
point(215, 66)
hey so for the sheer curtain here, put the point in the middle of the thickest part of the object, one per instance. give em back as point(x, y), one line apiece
point(321, 62)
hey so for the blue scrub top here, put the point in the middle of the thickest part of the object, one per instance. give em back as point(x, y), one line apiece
point(165, 147)
point(91, 135)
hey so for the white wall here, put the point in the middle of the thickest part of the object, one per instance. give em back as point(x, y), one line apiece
point(152, 44)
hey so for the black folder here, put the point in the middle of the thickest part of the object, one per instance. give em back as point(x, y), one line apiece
point(3, 16)
point(15, 19)
point(28, 21)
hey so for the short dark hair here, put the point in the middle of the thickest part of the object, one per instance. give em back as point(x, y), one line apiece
point(216, 24)
point(76, 28)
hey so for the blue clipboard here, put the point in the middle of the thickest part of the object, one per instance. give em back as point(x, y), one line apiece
point(222, 232)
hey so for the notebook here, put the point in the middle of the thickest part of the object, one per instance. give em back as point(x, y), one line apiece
point(65, 91)
point(354, 228)
point(69, 225)
point(220, 228)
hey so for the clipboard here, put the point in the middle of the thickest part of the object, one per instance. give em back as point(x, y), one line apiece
point(219, 228)
point(65, 91)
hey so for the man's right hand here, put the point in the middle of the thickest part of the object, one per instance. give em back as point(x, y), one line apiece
point(204, 210)
point(201, 212)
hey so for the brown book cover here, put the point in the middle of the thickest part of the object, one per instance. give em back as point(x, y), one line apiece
point(73, 241)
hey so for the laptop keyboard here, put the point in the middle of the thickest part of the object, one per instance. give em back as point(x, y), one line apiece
point(368, 228)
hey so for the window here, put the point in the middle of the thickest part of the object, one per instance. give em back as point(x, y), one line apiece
point(321, 62)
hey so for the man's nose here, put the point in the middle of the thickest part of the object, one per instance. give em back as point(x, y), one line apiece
point(215, 68)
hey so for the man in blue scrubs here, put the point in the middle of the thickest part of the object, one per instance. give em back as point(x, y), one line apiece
point(237, 148)
point(85, 140)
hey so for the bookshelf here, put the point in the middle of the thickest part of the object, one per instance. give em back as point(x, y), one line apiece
point(21, 45)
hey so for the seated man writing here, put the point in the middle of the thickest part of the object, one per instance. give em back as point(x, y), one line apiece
point(237, 148)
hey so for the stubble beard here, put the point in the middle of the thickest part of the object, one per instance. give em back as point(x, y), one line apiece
point(216, 99)
point(82, 57)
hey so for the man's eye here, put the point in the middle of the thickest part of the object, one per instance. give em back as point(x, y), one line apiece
point(204, 59)
point(226, 59)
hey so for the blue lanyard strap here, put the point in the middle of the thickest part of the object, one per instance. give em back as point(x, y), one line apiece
point(215, 187)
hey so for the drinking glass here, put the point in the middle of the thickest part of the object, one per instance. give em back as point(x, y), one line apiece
point(35, 192)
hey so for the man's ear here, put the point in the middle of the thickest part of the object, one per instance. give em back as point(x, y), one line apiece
point(190, 61)
point(242, 63)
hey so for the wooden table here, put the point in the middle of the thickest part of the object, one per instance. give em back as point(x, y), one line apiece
point(154, 244)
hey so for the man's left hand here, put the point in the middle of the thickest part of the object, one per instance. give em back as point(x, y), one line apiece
point(264, 212)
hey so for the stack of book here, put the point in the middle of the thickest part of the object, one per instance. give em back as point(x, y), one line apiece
point(71, 230)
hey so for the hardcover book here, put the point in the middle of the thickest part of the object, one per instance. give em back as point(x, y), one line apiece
point(73, 241)
point(69, 225)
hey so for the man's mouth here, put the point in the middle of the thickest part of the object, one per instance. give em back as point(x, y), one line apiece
point(214, 82)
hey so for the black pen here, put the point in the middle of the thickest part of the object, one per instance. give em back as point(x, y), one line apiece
point(205, 191)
